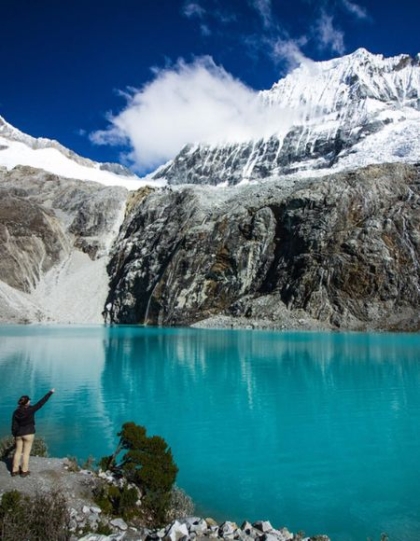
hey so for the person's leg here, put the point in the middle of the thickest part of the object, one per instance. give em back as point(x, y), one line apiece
point(18, 454)
point(27, 446)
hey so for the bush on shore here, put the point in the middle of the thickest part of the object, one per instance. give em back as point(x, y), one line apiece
point(141, 490)
point(44, 517)
point(147, 463)
point(7, 447)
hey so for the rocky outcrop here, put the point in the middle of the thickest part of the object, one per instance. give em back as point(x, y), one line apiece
point(78, 487)
point(342, 250)
point(55, 235)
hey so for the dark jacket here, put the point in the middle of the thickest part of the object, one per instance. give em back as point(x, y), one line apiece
point(23, 420)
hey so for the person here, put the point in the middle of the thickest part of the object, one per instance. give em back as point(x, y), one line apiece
point(23, 430)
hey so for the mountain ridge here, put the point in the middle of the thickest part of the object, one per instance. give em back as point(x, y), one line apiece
point(338, 114)
point(18, 148)
point(332, 241)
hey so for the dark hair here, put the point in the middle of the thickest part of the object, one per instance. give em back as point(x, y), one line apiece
point(23, 400)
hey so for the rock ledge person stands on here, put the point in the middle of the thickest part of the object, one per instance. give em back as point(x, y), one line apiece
point(23, 430)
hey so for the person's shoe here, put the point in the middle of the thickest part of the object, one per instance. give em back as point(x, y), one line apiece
point(14, 473)
point(25, 473)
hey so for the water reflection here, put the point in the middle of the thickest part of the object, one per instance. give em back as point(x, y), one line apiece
point(315, 427)
point(35, 359)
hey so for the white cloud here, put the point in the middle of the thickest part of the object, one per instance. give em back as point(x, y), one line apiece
point(205, 30)
point(355, 9)
point(328, 36)
point(290, 52)
point(210, 18)
point(188, 103)
point(263, 7)
point(193, 9)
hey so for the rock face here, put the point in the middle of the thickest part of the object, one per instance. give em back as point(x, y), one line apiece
point(32, 240)
point(346, 112)
point(55, 234)
point(342, 250)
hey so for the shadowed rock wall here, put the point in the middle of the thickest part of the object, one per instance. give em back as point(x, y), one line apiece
point(344, 249)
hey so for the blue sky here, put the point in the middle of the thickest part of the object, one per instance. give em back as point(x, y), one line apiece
point(132, 79)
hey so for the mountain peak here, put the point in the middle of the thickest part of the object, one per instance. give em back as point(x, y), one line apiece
point(363, 53)
point(346, 112)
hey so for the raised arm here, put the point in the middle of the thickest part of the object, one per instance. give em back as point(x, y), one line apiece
point(41, 402)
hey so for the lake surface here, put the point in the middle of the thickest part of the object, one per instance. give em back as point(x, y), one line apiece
point(317, 432)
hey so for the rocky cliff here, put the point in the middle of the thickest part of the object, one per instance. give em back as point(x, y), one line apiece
point(342, 250)
point(55, 234)
point(339, 251)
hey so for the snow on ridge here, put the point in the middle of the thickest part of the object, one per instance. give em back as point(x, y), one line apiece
point(346, 99)
point(330, 115)
point(13, 134)
point(18, 148)
point(318, 88)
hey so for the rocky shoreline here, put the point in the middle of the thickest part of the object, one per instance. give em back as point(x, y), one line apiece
point(49, 474)
point(200, 529)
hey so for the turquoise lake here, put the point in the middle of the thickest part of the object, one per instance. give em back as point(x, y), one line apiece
point(317, 432)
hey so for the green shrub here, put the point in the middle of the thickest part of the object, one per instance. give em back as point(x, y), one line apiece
point(44, 517)
point(72, 464)
point(146, 462)
point(103, 498)
point(12, 517)
point(180, 505)
point(104, 529)
point(7, 447)
point(118, 501)
point(75, 466)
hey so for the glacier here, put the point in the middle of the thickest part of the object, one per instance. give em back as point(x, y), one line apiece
point(339, 114)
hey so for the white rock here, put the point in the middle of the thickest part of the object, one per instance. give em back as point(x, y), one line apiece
point(93, 519)
point(263, 525)
point(286, 534)
point(228, 528)
point(119, 523)
point(198, 527)
point(246, 526)
point(176, 531)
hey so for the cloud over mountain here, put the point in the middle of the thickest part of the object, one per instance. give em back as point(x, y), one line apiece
point(187, 103)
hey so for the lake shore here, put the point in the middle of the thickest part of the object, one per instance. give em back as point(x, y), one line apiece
point(49, 474)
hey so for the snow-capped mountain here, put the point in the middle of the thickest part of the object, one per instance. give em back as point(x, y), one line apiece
point(343, 113)
point(18, 148)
